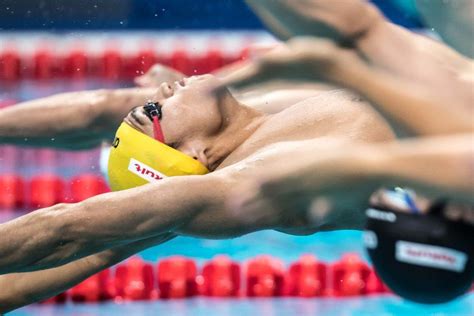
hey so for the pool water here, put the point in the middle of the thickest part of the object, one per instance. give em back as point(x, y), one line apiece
point(326, 246)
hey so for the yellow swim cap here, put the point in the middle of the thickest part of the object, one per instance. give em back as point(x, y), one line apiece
point(137, 159)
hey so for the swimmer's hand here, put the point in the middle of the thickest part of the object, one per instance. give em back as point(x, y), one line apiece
point(301, 59)
point(29, 287)
point(337, 20)
point(157, 75)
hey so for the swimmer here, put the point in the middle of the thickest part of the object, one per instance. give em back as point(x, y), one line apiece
point(231, 140)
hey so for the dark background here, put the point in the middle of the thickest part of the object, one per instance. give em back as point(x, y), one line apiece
point(58, 15)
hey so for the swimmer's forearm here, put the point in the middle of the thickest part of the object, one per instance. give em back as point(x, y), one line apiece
point(72, 120)
point(413, 110)
point(21, 289)
point(439, 167)
point(427, 63)
point(67, 232)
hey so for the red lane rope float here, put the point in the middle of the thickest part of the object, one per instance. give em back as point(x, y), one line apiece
point(110, 64)
point(46, 189)
point(87, 185)
point(220, 277)
point(10, 65)
point(12, 188)
point(179, 277)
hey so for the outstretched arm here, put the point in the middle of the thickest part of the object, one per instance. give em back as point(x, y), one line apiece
point(20, 289)
point(412, 107)
point(65, 232)
point(72, 120)
point(185, 205)
point(359, 24)
point(334, 187)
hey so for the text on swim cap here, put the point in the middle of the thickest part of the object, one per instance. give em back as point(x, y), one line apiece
point(383, 216)
point(430, 256)
point(144, 171)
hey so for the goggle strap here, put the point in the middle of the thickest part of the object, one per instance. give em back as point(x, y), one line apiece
point(158, 133)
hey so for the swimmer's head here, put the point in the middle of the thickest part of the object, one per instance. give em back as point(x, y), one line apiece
point(136, 159)
point(192, 116)
point(424, 258)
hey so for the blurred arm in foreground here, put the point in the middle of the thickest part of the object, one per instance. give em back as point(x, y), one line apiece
point(426, 91)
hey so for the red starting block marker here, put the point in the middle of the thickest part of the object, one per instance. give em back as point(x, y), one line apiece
point(307, 277)
point(350, 276)
point(93, 289)
point(134, 280)
point(177, 277)
point(265, 277)
point(11, 192)
point(46, 190)
point(220, 277)
point(86, 186)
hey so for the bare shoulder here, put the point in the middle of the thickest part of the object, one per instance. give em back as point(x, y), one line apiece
point(335, 101)
point(334, 114)
point(338, 113)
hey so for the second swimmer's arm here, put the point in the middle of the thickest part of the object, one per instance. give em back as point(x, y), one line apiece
point(20, 289)
point(405, 104)
point(436, 166)
point(73, 120)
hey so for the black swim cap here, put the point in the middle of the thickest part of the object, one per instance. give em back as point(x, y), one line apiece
point(425, 258)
